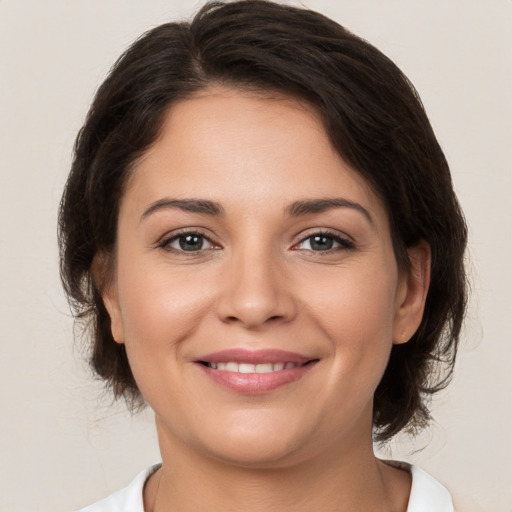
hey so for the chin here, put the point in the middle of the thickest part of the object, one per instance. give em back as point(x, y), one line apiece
point(261, 441)
point(256, 453)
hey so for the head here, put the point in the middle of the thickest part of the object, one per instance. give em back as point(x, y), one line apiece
point(373, 119)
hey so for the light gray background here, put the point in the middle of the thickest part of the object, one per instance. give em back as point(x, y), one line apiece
point(61, 445)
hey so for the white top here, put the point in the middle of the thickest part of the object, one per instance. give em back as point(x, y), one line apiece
point(427, 494)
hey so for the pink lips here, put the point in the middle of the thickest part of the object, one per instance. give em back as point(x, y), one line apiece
point(288, 367)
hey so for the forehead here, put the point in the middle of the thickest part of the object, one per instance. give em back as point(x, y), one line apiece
point(238, 147)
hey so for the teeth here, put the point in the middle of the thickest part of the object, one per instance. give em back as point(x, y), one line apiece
point(231, 366)
point(264, 368)
point(245, 368)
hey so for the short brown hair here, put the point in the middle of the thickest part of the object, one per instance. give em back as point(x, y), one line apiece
point(371, 113)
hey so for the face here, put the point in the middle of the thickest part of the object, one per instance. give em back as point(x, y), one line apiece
point(256, 288)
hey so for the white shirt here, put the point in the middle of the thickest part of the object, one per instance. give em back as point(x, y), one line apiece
point(427, 494)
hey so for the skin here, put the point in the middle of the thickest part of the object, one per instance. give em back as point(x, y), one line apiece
point(257, 282)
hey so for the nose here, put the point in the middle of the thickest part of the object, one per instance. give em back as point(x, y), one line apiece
point(255, 292)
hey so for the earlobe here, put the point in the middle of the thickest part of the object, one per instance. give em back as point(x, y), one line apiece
point(112, 305)
point(412, 293)
point(106, 286)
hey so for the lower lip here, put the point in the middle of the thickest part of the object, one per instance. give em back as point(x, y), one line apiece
point(256, 383)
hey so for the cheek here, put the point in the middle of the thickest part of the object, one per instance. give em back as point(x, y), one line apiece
point(159, 306)
point(360, 298)
point(356, 311)
point(160, 311)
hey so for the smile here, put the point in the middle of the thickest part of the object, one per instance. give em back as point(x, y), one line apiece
point(233, 366)
point(254, 372)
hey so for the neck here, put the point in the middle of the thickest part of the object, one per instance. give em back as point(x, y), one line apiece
point(343, 480)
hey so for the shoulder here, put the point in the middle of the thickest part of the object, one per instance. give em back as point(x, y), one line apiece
point(128, 499)
point(427, 494)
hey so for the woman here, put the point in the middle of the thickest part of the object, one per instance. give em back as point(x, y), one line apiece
point(261, 226)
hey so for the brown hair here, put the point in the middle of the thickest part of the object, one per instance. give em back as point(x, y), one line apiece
point(374, 118)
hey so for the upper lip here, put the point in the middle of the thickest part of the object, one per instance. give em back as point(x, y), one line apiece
point(260, 356)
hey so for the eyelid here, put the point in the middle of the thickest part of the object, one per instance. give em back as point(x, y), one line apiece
point(164, 242)
point(343, 239)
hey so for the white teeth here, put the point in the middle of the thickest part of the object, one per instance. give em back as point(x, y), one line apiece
point(264, 368)
point(246, 368)
point(231, 366)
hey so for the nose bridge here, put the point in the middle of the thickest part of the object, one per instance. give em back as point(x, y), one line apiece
point(255, 290)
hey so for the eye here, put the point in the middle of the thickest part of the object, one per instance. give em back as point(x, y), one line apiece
point(322, 242)
point(190, 241)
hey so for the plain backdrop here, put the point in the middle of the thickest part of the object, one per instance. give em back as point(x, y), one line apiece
point(62, 444)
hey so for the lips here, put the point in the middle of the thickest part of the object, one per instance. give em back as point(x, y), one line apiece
point(233, 366)
point(254, 371)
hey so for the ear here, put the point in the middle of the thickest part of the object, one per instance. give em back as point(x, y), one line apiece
point(412, 293)
point(105, 283)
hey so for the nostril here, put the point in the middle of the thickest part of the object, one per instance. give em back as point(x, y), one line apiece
point(233, 318)
point(254, 308)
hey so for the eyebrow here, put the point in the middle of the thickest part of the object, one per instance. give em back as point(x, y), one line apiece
point(295, 209)
point(309, 206)
point(188, 205)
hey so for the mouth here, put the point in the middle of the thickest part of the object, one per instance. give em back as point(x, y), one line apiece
point(233, 366)
point(255, 372)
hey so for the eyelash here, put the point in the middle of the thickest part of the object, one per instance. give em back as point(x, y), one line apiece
point(165, 243)
point(344, 243)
